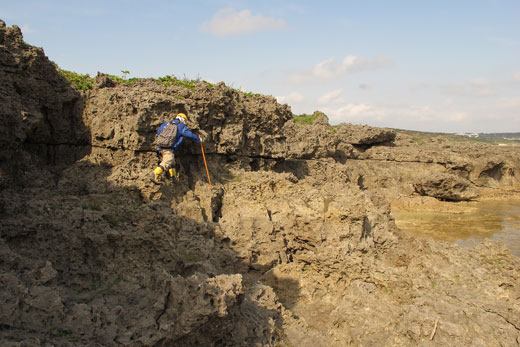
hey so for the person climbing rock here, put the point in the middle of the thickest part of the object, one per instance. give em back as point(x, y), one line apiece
point(170, 136)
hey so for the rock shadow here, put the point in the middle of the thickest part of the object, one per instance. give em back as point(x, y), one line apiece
point(286, 288)
point(86, 261)
point(298, 167)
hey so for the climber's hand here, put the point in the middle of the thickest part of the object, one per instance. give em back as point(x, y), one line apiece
point(202, 136)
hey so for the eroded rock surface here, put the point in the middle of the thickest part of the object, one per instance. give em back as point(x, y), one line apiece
point(446, 187)
point(294, 245)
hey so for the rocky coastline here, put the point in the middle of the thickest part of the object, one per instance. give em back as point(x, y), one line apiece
point(294, 245)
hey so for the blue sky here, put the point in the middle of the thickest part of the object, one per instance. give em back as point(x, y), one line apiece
point(449, 66)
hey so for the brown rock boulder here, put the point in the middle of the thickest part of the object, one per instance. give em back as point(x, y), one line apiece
point(447, 187)
point(364, 135)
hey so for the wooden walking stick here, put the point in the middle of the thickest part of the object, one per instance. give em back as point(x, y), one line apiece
point(206, 165)
point(434, 329)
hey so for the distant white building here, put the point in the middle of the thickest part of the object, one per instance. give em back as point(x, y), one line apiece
point(472, 135)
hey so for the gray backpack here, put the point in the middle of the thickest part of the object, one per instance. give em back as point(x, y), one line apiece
point(167, 136)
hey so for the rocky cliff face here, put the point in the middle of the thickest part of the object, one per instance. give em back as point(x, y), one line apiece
point(38, 109)
point(294, 244)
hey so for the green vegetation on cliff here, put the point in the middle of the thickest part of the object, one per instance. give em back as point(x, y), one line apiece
point(170, 80)
point(307, 118)
point(85, 82)
point(79, 81)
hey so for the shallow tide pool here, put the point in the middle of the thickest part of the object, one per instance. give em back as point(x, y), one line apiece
point(496, 220)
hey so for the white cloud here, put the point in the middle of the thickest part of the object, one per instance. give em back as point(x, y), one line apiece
point(392, 115)
point(332, 97)
point(509, 103)
point(330, 69)
point(516, 76)
point(420, 87)
point(354, 113)
point(26, 29)
point(457, 116)
point(477, 87)
point(448, 102)
point(326, 69)
point(479, 81)
point(354, 64)
point(293, 97)
point(230, 22)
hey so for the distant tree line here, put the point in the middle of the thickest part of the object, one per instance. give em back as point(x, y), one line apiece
point(500, 136)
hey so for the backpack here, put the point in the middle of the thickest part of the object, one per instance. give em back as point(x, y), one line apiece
point(167, 136)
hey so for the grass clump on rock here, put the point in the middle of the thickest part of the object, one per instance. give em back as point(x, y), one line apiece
point(308, 119)
point(79, 81)
point(85, 82)
point(171, 80)
point(304, 119)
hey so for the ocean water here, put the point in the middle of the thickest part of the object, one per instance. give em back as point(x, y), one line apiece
point(496, 220)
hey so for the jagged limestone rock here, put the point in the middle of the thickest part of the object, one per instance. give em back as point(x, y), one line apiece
point(294, 244)
point(447, 187)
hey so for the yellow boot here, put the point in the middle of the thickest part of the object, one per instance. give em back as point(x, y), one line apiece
point(157, 174)
point(174, 175)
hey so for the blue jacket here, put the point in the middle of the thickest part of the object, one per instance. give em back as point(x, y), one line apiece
point(182, 132)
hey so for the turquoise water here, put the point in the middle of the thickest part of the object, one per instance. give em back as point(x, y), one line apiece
point(496, 220)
